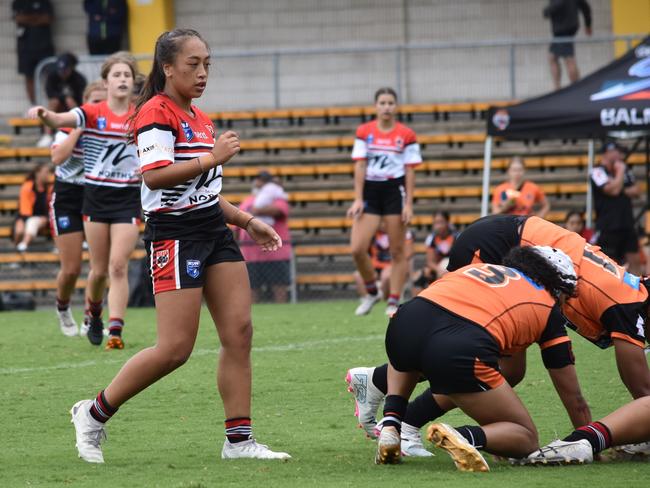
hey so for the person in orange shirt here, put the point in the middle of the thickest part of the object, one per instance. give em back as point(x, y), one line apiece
point(33, 201)
point(611, 310)
point(453, 335)
point(519, 196)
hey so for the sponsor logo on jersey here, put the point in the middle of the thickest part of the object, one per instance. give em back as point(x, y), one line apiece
point(193, 268)
point(501, 119)
point(370, 138)
point(187, 130)
point(101, 123)
point(631, 280)
point(162, 258)
point(64, 222)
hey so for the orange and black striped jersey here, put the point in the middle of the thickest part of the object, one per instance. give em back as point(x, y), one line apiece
point(510, 306)
point(611, 303)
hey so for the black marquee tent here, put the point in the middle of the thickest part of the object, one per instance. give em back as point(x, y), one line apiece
point(611, 102)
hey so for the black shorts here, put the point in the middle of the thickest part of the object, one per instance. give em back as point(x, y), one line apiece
point(65, 208)
point(384, 197)
point(562, 49)
point(29, 58)
point(491, 237)
point(454, 354)
point(616, 244)
point(109, 205)
point(177, 264)
point(269, 273)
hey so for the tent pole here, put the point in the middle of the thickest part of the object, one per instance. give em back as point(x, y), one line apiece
point(487, 163)
point(590, 167)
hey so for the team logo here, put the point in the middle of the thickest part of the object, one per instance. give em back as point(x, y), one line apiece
point(187, 130)
point(370, 138)
point(161, 258)
point(501, 119)
point(193, 268)
point(64, 222)
point(101, 123)
point(399, 142)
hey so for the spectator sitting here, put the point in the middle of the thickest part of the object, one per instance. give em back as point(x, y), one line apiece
point(575, 222)
point(519, 196)
point(270, 270)
point(106, 25)
point(379, 251)
point(33, 204)
point(438, 245)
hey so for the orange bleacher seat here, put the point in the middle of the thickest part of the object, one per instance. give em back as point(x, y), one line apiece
point(33, 152)
point(324, 279)
point(236, 115)
point(433, 139)
point(337, 112)
point(8, 205)
point(308, 113)
point(8, 152)
point(265, 115)
point(282, 144)
point(254, 145)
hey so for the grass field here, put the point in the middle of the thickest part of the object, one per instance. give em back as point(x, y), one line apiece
point(171, 435)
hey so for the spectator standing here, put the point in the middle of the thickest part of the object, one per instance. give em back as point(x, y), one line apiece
point(614, 188)
point(519, 196)
point(33, 204)
point(64, 85)
point(106, 25)
point(34, 38)
point(563, 15)
point(269, 203)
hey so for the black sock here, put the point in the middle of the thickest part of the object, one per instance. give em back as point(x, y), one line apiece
point(380, 378)
point(62, 305)
point(423, 410)
point(474, 434)
point(394, 410)
point(371, 287)
point(101, 410)
point(596, 433)
point(238, 429)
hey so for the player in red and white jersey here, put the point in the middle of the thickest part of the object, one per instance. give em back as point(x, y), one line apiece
point(111, 206)
point(192, 252)
point(386, 153)
point(66, 218)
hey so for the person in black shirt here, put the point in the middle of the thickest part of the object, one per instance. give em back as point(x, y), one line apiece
point(106, 25)
point(563, 15)
point(64, 85)
point(614, 188)
point(34, 37)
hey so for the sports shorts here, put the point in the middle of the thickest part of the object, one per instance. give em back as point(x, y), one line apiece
point(179, 264)
point(29, 58)
point(384, 197)
point(108, 205)
point(453, 354)
point(562, 49)
point(65, 208)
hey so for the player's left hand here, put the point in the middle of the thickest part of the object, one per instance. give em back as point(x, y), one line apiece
point(407, 214)
point(264, 235)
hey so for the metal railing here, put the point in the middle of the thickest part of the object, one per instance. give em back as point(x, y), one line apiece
point(492, 69)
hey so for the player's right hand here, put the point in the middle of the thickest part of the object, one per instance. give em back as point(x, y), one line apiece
point(619, 167)
point(37, 112)
point(355, 210)
point(226, 146)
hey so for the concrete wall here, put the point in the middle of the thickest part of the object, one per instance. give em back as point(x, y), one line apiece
point(317, 79)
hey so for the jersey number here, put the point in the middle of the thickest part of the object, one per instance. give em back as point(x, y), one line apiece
point(492, 275)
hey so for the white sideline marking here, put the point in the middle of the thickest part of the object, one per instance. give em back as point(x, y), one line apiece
point(298, 346)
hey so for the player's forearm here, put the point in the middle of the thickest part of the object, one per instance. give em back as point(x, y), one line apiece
point(409, 180)
point(359, 179)
point(566, 384)
point(62, 152)
point(234, 215)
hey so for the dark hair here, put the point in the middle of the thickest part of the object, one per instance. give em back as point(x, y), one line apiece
point(385, 90)
point(32, 174)
point(538, 269)
point(572, 213)
point(168, 45)
point(443, 213)
point(516, 159)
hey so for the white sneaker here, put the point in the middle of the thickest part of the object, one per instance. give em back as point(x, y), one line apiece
point(44, 141)
point(466, 457)
point(90, 433)
point(67, 323)
point(388, 447)
point(562, 452)
point(367, 302)
point(641, 449)
point(83, 328)
point(367, 398)
point(390, 310)
point(412, 442)
point(21, 247)
point(250, 449)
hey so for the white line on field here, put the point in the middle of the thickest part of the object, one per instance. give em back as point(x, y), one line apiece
point(298, 346)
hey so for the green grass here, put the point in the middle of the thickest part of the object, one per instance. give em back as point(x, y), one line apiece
point(171, 434)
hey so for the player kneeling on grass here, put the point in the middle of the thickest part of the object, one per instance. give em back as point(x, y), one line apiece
point(453, 334)
point(627, 427)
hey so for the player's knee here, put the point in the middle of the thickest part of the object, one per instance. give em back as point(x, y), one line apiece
point(239, 336)
point(528, 443)
point(70, 274)
point(175, 357)
point(359, 252)
point(117, 269)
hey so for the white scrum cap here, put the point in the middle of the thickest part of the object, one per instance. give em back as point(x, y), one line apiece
point(560, 261)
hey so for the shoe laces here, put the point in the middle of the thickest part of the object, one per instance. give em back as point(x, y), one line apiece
point(95, 437)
